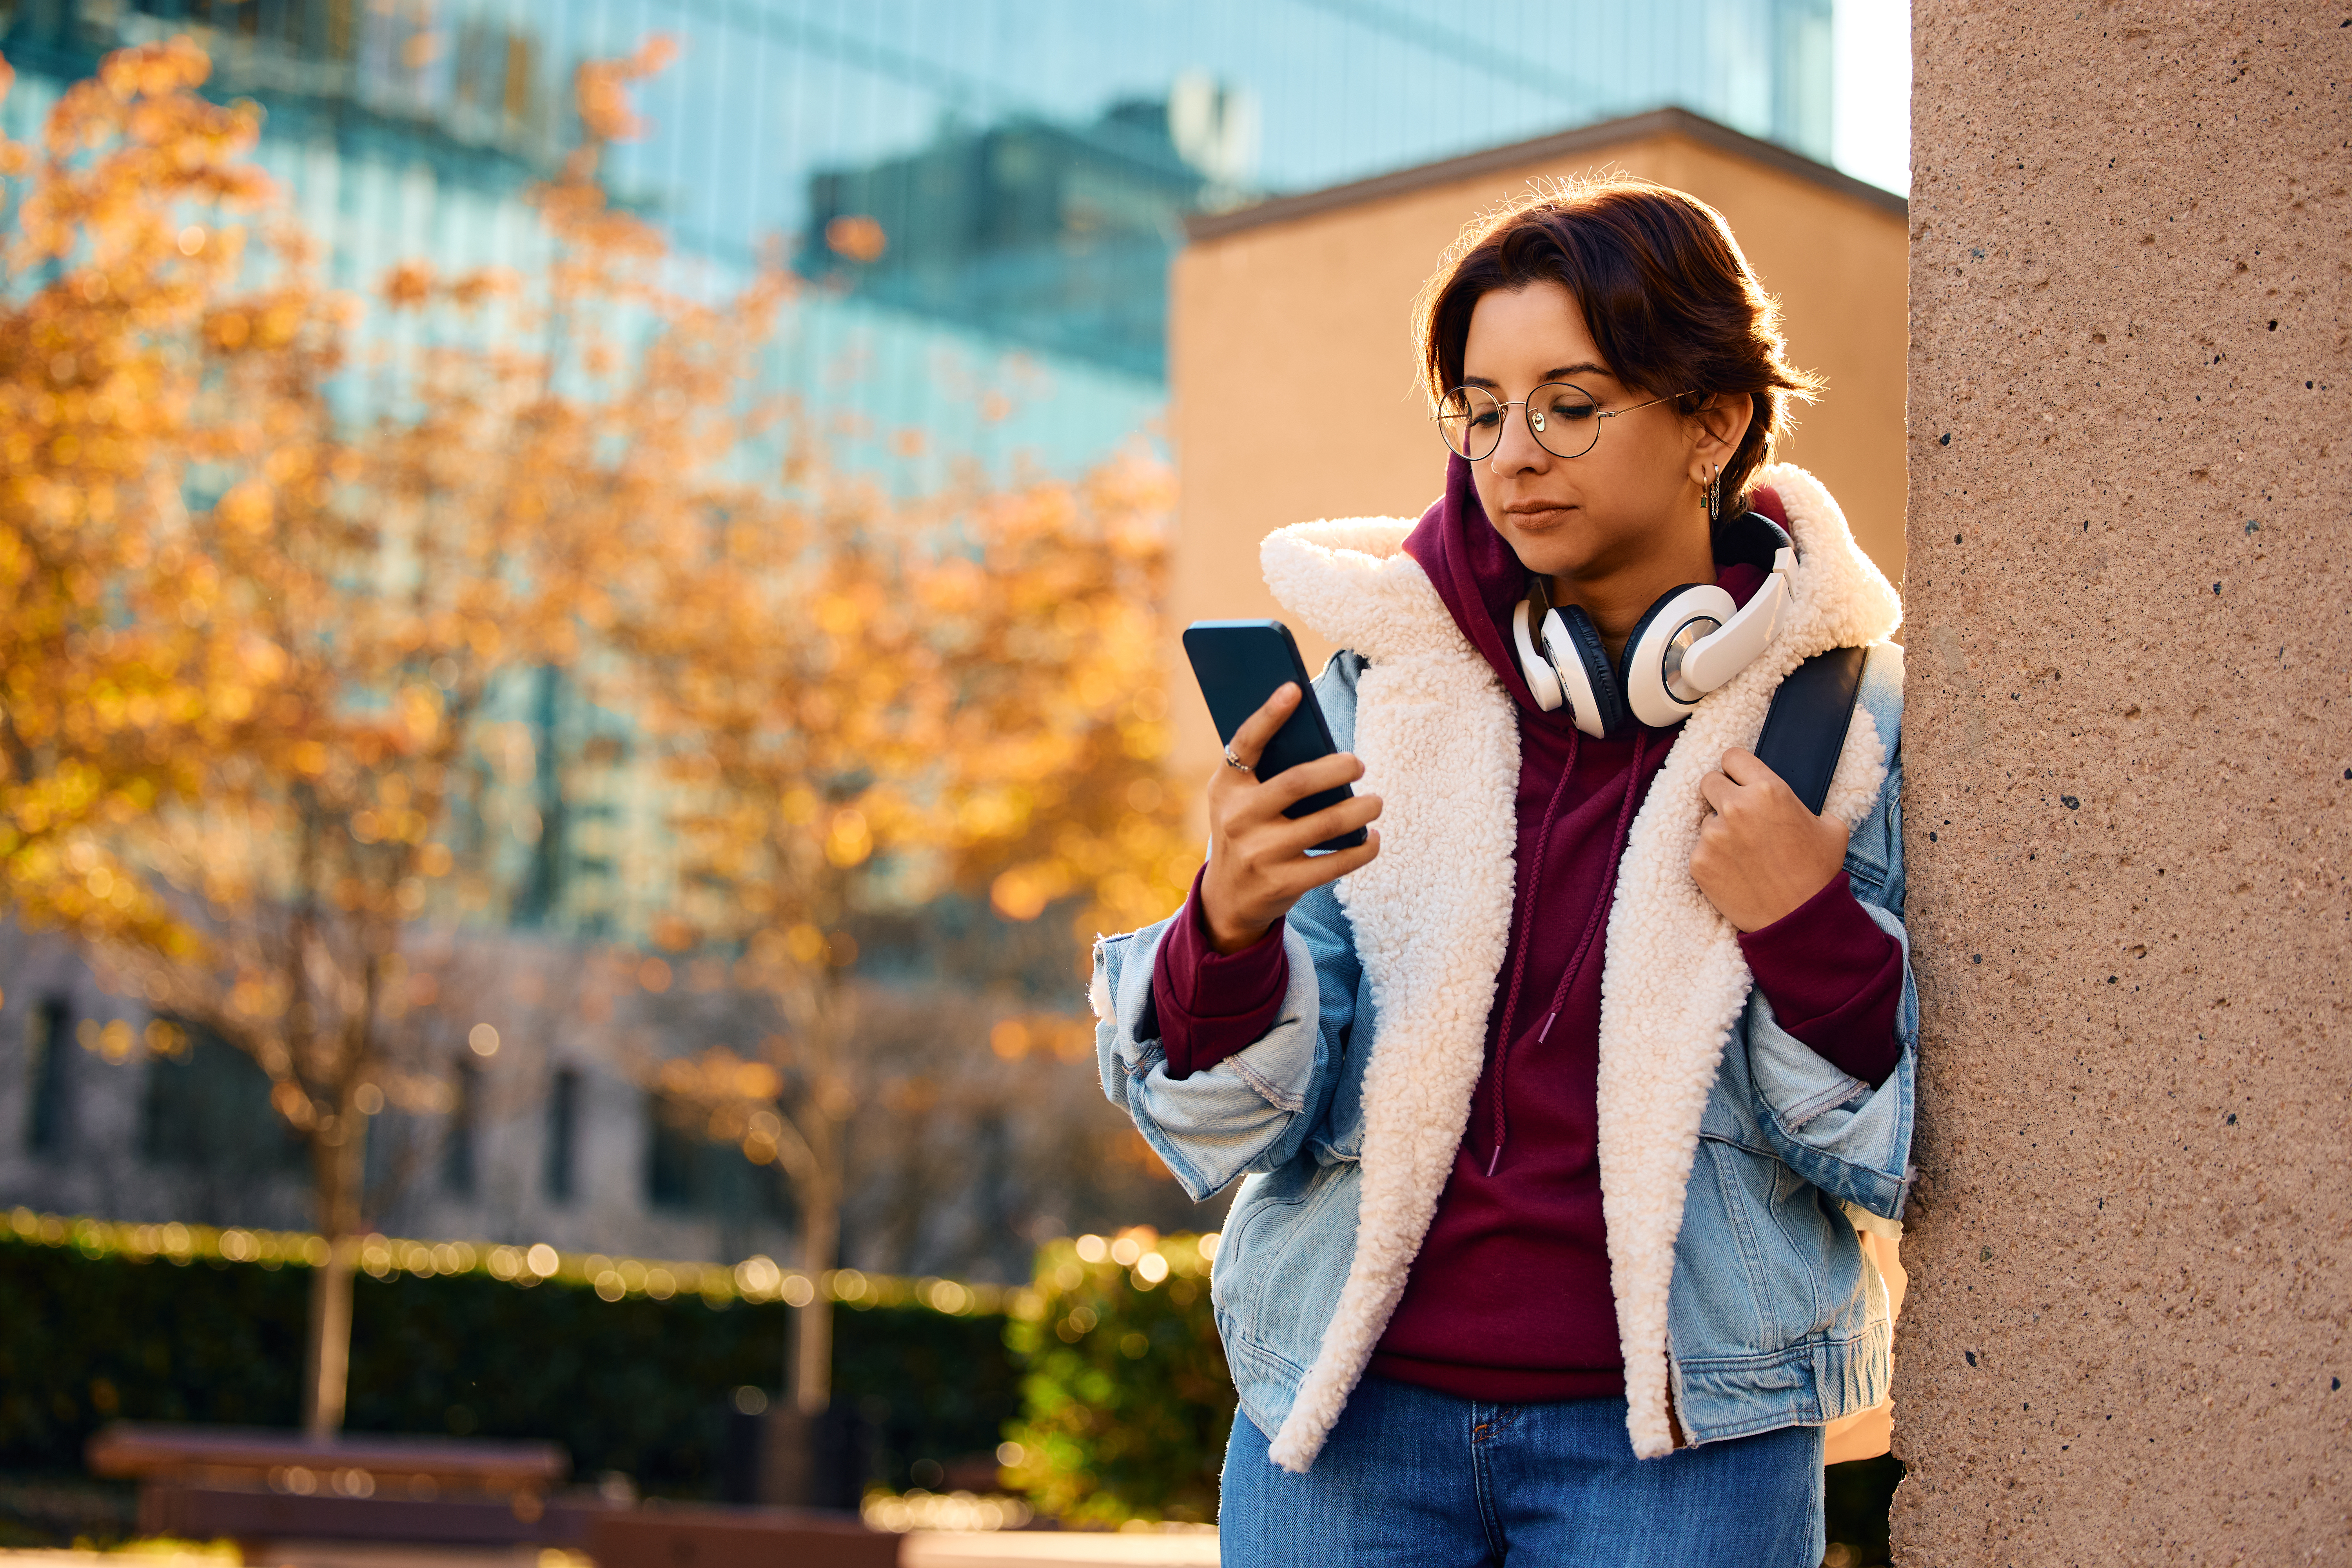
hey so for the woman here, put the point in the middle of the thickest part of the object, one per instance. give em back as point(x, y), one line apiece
point(1558, 1102)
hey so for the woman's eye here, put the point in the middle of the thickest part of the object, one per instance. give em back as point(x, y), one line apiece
point(1484, 417)
point(1569, 408)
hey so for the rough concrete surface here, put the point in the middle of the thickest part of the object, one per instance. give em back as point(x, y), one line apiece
point(2129, 776)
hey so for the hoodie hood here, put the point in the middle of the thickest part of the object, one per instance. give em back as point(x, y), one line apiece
point(1475, 571)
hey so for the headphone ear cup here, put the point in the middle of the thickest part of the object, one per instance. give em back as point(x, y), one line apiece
point(1586, 676)
point(1750, 538)
point(1645, 650)
point(1543, 681)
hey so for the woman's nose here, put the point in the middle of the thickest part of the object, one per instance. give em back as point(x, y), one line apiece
point(1517, 451)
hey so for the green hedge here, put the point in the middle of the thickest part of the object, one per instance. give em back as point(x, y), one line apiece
point(636, 1385)
point(1126, 1400)
point(1113, 1382)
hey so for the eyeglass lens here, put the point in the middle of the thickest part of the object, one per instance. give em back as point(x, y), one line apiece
point(1564, 418)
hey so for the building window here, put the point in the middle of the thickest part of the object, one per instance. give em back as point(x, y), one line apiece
point(458, 1137)
point(688, 1170)
point(49, 1124)
point(673, 1150)
point(206, 1106)
point(562, 1133)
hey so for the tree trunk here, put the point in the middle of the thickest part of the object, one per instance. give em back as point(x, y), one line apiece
point(338, 1167)
point(812, 1372)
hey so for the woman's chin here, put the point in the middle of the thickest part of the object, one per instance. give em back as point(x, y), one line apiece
point(1547, 553)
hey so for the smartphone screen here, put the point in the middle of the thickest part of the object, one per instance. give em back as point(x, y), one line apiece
point(1239, 665)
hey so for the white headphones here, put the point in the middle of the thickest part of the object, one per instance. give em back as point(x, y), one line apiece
point(1690, 642)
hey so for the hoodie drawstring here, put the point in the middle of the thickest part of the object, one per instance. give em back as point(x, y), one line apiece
point(1592, 925)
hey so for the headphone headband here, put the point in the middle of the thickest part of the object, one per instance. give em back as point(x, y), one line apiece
point(1751, 539)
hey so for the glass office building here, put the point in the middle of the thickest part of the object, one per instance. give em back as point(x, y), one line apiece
point(983, 196)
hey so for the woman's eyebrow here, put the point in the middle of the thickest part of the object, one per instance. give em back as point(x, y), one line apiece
point(1554, 374)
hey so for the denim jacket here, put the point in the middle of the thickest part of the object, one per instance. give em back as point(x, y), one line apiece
point(1734, 1211)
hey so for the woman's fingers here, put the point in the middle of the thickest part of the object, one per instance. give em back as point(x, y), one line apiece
point(1288, 787)
point(1256, 878)
point(1271, 847)
point(1259, 864)
point(1322, 869)
point(1746, 769)
point(1249, 741)
point(1293, 837)
point(1247, 805)
point(1294, 878)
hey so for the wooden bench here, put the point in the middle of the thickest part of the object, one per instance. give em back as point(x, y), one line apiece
point(254, 1485)
point(701, 1537)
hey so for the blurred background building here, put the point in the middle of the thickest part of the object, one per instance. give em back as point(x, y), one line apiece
point(985, 202)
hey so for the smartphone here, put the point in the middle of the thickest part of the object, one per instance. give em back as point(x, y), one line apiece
point(1239, 665)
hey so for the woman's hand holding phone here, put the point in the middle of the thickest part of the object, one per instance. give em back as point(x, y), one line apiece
point(1259, 864)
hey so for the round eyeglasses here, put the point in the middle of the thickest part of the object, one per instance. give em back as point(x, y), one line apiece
point(1564, 418)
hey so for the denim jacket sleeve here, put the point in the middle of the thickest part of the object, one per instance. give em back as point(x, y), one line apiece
point(1265, 1105)
point(1848, 1139)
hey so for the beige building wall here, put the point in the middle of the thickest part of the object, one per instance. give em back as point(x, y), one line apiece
point(2129, 797)
point(1293, 363)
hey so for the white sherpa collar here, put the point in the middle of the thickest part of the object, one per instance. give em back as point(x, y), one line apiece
point(1439, 741)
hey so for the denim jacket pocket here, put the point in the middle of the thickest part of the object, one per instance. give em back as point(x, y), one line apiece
point(1849, 1139)
point(1765, 1259)
point(1289, 1242)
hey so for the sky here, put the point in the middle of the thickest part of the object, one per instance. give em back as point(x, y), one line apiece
point(1870, 119)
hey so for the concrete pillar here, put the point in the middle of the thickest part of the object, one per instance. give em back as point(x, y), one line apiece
point(2129, 779)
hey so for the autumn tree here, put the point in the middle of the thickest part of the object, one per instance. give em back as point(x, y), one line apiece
point(263, 655)
point(124, 644)
point(261, 646)
point(158, 414)
point(867, 704)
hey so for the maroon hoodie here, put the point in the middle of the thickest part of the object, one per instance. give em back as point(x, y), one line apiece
point(1509, 1299)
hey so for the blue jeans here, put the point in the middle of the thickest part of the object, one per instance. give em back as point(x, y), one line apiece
point(1413, 1477)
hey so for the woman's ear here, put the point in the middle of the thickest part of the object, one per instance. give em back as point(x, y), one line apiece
point(1722, 422)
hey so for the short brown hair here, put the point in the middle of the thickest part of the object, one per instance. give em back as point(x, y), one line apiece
point(1664, 287)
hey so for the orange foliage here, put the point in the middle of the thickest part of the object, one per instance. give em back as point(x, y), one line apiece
point(601, 89)
point(252, 654)
point(127, 650)
point(875, 703)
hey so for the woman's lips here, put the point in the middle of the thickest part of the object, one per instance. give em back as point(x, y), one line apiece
point(1539, 516)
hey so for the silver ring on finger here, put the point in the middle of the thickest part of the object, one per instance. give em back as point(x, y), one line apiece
point(1238, 765)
